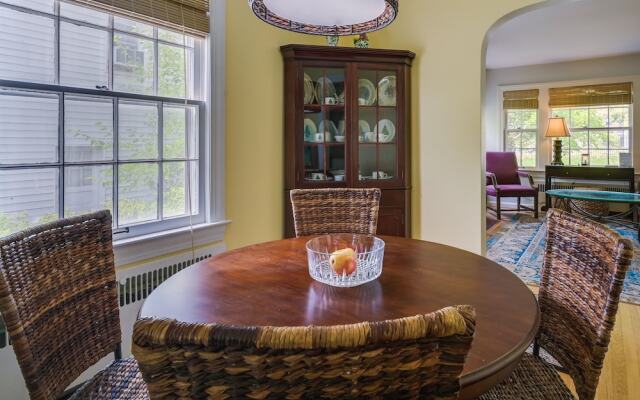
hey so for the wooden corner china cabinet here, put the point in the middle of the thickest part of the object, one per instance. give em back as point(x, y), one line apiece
point(347, 125)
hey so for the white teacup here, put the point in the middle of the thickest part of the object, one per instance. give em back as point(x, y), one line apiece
point(318, 137)
point(339, 138)
point(370, 136)
point(317, 176)
point(339, 178)
point(379, 175)
point(362, 101)
point(329, 100)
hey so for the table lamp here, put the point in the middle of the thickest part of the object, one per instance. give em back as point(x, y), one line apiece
point(557, 128)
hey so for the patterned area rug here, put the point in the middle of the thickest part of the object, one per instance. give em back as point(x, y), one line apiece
point(518, 245)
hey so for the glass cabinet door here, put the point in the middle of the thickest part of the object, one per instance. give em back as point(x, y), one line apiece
point(324, 124)
point(377, 125)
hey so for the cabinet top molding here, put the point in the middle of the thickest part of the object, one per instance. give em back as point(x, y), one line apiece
point(301, 51)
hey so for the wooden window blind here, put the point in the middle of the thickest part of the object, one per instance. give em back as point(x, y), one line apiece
point(190, 16)
point(520, 99)
point(591, 95)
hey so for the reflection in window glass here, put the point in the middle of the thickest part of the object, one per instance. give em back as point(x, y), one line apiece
point(180, 131)
point(173, 81)
point(127, 25)
point(27, 45)
point(88, 129)
point(29, 197)
point(178, 188)
point(132, 64)
point(174, 37)
point(84, 56)
point(84, 14)
point(88, 188)
point(137, 193)
point(28, 127)
point(138, 131)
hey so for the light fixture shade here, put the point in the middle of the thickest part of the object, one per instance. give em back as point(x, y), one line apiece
point(557, 127)
point(327, 17)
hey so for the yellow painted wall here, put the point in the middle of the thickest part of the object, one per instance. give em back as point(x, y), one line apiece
point(447, 36)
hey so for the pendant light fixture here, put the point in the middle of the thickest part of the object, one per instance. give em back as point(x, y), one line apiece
point(327, 17)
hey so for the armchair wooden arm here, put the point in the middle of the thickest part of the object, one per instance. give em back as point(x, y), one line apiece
point(524, 174)
point(492, 177)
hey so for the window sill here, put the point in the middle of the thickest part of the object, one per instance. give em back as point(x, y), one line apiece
point(144, 247)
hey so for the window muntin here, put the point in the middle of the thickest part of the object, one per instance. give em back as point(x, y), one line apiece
point(521, 135)
point(91, 148)
point(601, 131)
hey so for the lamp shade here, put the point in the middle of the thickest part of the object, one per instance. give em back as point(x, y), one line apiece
point(557, 127)
point(327, 17)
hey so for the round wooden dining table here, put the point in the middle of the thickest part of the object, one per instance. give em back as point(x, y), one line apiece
point(268, 284)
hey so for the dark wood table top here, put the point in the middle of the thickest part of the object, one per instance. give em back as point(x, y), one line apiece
point(269, 284)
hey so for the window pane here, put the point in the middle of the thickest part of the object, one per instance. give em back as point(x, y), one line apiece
point(512, 141)
point(27, 47)
point(180, 125)
point(38, 5)
point(598, 157)
point(137, 193)
point(88, 129)
point(579, 117)
point(28, 197)
point(598, 118)
point(598, 139)
point(614, 156)
point(579, 140)
point(175, 37)
point(619, 139)
point(132, 64)
point(28, 127)
point(528, 158)
point(619, 117)
point(87, 189)
point(562, 113)
point(177, 190)
point(84, 56)
point(514, 119)
point(529, 119)
point(171, 71)
point(137, 131)
point(84, 14)
point(131, 26)
point(529, 140)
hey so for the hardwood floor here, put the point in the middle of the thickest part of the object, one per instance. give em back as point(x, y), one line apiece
point(620, 379)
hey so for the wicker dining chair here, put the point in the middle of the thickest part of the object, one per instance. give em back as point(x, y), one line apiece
point(409, 358)
point(584, 269)
point(59, 302)
point(320, 211)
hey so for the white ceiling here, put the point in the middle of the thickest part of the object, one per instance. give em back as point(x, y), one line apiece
point(572, 30)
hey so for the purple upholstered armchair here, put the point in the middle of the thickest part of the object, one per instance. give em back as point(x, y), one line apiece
point(503, 180)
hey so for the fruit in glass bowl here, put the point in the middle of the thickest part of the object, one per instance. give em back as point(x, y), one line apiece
point(344, 261)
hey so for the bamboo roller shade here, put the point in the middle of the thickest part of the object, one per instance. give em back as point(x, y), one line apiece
point(190, 16)
point(520, 99)
point(591, 95)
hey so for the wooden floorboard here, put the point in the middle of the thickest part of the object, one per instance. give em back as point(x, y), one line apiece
point(620, 379)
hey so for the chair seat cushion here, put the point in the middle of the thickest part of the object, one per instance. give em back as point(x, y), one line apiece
point(512, 191)
point(533, 379)
point(121, 380)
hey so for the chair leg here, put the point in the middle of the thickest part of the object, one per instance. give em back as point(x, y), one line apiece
point(518, 203)
point(498, 207)
point(535, 206)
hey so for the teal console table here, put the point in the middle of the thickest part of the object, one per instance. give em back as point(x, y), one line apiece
point(568, 197)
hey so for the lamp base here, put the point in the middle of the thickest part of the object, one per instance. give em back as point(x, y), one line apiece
point(557, 152)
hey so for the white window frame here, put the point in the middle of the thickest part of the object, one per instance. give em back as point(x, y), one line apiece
point(566, 147)
point(177, 233)
point(506, 131)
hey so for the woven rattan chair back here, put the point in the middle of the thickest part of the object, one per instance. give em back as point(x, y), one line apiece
point(410, 358)
point(58, 299)
point(321, 211)
point(584, 268)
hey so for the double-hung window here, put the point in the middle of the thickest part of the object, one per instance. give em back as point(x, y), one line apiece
point(521, 125)
point(603, 132)
point(99, 111)
point(599, 117)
